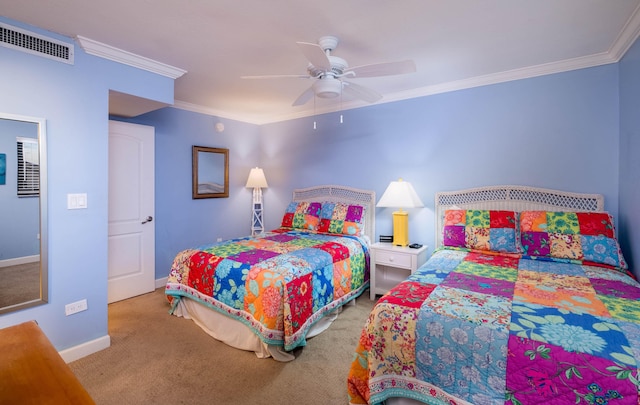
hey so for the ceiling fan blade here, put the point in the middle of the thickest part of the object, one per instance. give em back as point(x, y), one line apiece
point(361, 92)
point(277, 77)
point(383, 69)
point(315, 55)
point(304, 97)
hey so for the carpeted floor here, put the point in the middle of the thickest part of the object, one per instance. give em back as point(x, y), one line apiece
point(20, 283)
point(157, 358)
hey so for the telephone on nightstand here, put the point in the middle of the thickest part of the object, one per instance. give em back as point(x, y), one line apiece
point(415, 246)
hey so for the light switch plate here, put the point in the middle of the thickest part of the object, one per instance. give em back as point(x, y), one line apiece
point(76, 201)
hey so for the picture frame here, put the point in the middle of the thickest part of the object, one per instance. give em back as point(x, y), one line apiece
point(210, 172)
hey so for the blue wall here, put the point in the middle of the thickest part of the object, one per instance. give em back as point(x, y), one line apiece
point(74, 101)
point(19, 216)
point(557, 131)
point(629, 229)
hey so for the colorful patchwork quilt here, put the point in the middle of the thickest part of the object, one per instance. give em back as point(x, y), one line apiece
point(278, 284)
point(495, 328)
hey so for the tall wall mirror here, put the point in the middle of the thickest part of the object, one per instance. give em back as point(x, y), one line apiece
point(23, 213)
point(210, 172)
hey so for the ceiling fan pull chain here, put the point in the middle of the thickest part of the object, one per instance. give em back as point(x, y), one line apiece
point(341, 121)
point(314, 111)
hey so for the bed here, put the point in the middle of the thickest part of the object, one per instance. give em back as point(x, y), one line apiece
point(527, 299)
point(270, 292)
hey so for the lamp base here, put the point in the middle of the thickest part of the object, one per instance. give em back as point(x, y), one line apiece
point(256, 218)
point(400, 228)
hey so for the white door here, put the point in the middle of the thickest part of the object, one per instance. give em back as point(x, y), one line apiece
point(131, 210)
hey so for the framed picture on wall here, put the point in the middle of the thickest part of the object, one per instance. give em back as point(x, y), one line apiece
point(210, 172)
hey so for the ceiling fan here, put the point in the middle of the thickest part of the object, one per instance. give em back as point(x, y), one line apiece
point(331, 71)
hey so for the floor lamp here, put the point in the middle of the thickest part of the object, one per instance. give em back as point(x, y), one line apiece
point(257, 181)
point(400, 194)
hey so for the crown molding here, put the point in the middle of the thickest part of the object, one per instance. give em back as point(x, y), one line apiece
point(118, 55)
point(494, 78)
point(183, 105)
point(628, 35)
point(261, 120)
point(506, 76)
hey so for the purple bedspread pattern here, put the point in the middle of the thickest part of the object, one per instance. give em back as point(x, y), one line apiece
point(470, 327)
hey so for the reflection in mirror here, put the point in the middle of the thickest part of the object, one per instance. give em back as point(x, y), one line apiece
point(210, 172)
point(23, 219)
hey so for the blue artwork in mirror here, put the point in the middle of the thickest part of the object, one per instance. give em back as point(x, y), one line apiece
point(3, 168)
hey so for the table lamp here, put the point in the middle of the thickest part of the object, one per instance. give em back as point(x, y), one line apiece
point(400, 194)
point(257, 181)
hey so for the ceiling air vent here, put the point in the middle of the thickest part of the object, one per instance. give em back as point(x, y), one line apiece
point(30, 42)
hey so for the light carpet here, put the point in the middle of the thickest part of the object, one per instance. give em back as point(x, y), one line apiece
point(19, 283)
point(157, 358)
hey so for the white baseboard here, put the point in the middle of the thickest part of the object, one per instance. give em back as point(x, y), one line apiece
point(93, 346)
point(161, 282)
point(19, 260)
point(85, 349)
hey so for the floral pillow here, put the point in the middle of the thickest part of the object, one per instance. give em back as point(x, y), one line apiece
point(342, 218)
point(302, 215)
point(481, 229)
point(584, 236)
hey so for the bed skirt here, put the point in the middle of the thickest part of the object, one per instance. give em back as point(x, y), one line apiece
point(238, 335)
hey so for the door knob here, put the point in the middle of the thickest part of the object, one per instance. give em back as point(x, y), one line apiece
point(149, 219)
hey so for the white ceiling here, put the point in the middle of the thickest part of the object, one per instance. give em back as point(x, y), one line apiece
point(454, 43)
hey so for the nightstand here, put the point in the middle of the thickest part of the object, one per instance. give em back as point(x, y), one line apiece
point(392, 264)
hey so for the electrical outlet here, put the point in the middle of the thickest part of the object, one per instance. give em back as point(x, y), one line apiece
point(75, 307)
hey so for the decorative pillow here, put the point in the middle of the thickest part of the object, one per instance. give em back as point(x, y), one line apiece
point(584, 236)
point(342, 218)
point(302, 215)
point(481, 229)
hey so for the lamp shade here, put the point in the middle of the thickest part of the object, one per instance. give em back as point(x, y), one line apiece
point(400, 194)
point(256, 179)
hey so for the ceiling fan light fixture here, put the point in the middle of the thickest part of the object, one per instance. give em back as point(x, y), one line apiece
point(328, 72)
point(327, 88)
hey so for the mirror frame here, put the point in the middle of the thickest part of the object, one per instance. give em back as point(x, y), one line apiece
point(198, 154)
point(44, 253)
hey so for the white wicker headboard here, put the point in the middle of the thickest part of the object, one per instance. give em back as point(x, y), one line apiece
point(332, 193)
point(513, 198)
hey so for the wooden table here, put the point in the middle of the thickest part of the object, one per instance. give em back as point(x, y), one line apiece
point(32, 371)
